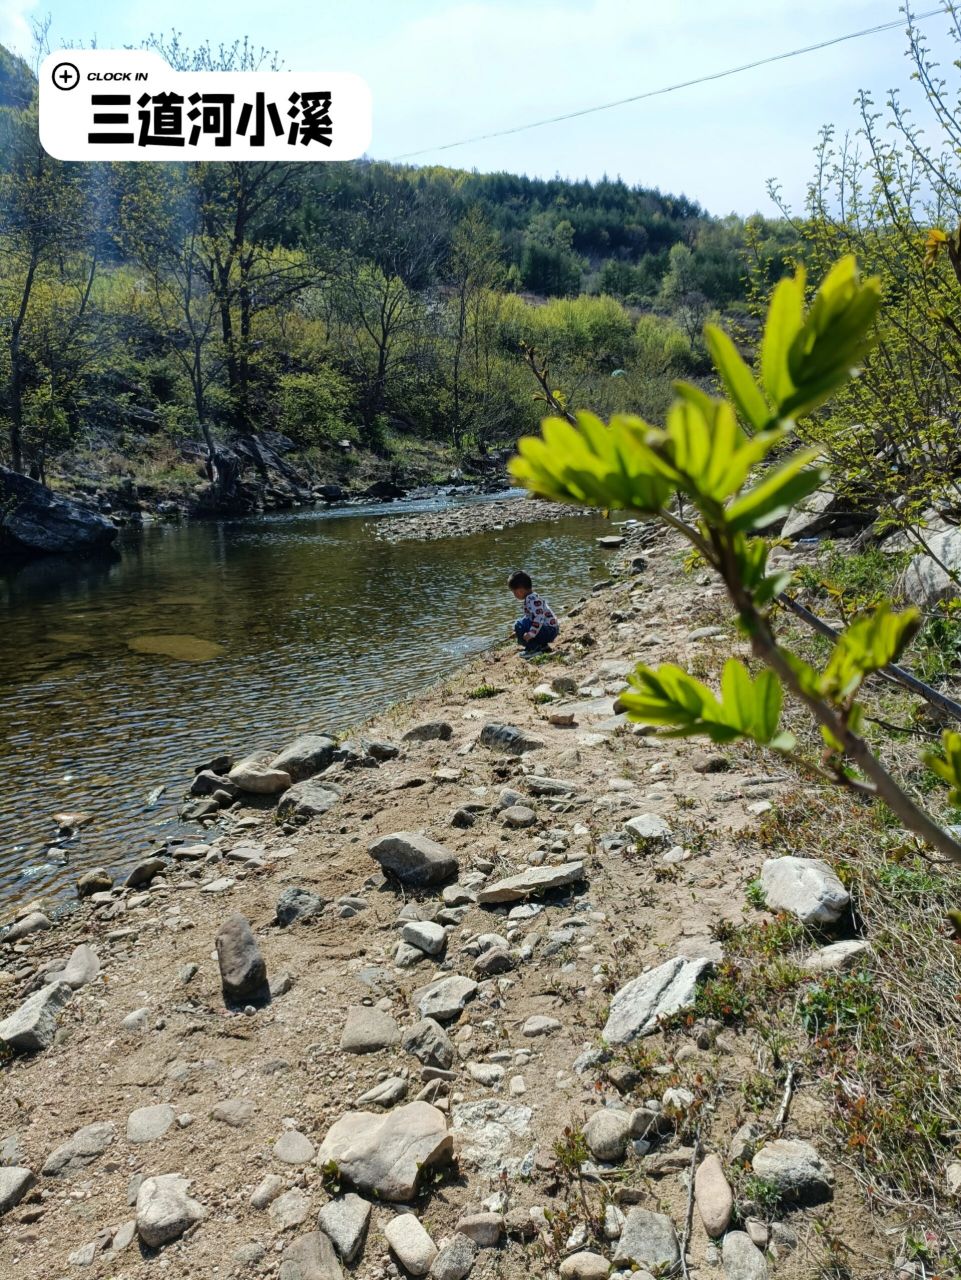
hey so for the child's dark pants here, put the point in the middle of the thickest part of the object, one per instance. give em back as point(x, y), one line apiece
point(540, 641)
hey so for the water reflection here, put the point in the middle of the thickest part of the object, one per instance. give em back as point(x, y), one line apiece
point(118, 675)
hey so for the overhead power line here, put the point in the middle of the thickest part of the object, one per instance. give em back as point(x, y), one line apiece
point(673, 88)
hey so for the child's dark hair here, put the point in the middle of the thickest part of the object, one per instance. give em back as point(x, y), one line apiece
point(520, 579)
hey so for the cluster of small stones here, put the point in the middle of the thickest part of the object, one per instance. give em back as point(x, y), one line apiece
point(478, 517)
point(448, 1091)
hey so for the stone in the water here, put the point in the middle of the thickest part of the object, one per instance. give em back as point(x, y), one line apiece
point(410, 1243)
point(454, 1259)
point(445, 999)
point(742, 1259)
point(414, 860)
point(432, 731)
point(649, 1240)
point(344, 1221)
point(368, 1030)
point(799, 1173)
point(507, 738)
point(387, 1154)
point(183, 648)
point(147, 1124)
point(259, 779)
point(165, 1210)
point(528, 884)
point(310, 1257)
point(806, 887)
point(637, 1006)
point(308, 799)
point(309, 754)
point(15, 1182)
point(713, 1196)
point(33, 1025)
point(298, 904)
point(243, 971)
point(429, 1043)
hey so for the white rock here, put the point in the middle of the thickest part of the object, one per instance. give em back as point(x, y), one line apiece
point(806, 887)
point(795, 1168)
point(531, 882)
point(837, 955)
point(649, 829)
point(445, 999)
point(165, 1210)
point(414, 1248)
point(15, 1182)
point(345, 1221)
point(649, 1240)
point(147, 1124)
point(637, 1006)
point(742, 1258)
point(386, 1155)
point(294, 1147)
point(34, 1025)
point(540, 1025)
point(427, 936)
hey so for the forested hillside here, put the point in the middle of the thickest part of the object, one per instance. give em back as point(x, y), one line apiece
point(373, 315)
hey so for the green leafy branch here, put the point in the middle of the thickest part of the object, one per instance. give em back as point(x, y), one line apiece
point(716, 453)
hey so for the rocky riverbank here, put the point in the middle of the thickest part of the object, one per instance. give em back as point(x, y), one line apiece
point(432, 1001)
point(488, 517)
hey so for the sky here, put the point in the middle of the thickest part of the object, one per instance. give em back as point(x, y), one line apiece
point(444, 70)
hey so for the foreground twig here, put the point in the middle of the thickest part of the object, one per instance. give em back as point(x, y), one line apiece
point(789, 1083)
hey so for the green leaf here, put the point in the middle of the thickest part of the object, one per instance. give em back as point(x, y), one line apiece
point(737, 378)
point(948, 767)
point(867, 645)
point(785, 318)
point(779, 490)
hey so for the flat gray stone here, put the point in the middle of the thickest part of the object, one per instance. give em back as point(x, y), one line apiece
point(82, 968)
point(165, 1210)
point(430, 1044)
point(34, 922)
point(530, 883)
point(290, 1209)
point(659, 993)
point(806, 887)
point(15, 1182)
point(345, 1221)
point(386, 1093)
point(742, 1259)
point(308, 799)
point(432, 731)
point(415, 860)
point(33, 1026)
point(425, 935)
point(454, 1258)
point(81, 1149)
point(294, 1147)
point(838, 955)
point(387, 1154)
point(296, 904)
point(368, 1030)
point(519, 816)
point(649, 829)
point(310, 1257)
point(237, 1112)
point(649, 1240)
point(147, 1124)
point(799, 1173)
point(509, 740)
point(444, 1000)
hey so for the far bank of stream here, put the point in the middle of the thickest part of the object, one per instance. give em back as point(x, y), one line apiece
point(117, 675)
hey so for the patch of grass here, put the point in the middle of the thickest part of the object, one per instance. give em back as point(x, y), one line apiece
point(571, 1150)
point(542, 699)
point(756, 1197)
point(484, 691)
point(755, 895)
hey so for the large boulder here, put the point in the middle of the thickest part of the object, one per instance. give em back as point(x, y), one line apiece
point(35, 519)
point(637, 1007)
point(309, 754)
point(387, 1155)
point(926, 580)
point(415, 860)
point(800, 1175)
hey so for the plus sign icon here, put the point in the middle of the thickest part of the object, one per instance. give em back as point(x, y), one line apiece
point(65, 75)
